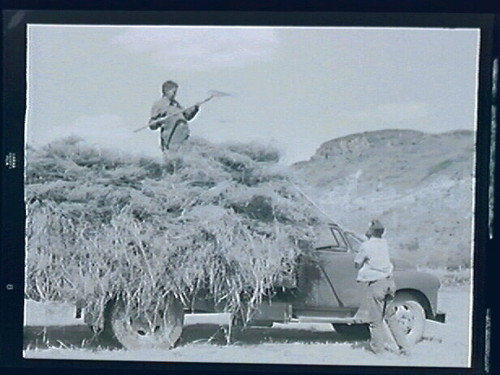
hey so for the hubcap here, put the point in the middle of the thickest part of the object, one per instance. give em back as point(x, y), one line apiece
point(405, 317)
point(138, 330)
point(143, 328)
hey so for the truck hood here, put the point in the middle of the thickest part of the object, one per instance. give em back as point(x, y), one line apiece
point(402, 265)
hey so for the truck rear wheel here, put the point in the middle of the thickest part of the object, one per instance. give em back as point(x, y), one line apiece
point(136, 331)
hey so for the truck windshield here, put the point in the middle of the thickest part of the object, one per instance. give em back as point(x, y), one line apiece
point(342, 245)
point(354, 241)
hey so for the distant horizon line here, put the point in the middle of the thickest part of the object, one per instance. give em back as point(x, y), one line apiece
point(398, 130)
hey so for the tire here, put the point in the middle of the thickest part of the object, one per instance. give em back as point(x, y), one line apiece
point(137, 332)
point(354, 331)
point(410, 315)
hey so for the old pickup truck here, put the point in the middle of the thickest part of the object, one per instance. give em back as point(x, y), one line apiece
point(325, 291)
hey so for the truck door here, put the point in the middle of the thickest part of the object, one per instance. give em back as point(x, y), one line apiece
point(334, 285)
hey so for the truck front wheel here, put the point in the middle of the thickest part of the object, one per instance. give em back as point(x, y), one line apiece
point(410, 316)
point(407, 319)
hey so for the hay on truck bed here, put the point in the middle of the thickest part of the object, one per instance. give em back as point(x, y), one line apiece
point(101, 225)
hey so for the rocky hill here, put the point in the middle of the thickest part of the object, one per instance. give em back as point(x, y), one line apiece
point(419, 185)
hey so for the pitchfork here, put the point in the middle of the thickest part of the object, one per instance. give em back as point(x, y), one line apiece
point(212, 94)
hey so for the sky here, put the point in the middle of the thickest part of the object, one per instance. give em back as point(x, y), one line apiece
point(291, 88)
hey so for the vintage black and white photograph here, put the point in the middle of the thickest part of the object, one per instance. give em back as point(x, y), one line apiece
point(270, 195)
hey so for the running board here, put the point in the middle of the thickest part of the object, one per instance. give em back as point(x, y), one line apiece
point(322, 319)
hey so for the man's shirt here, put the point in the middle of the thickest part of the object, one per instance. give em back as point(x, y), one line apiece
point(171, 134)
point(164, 107)
point(373, 256)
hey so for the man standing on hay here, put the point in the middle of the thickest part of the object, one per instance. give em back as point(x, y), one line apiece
point(167, 115)
point(375, 271)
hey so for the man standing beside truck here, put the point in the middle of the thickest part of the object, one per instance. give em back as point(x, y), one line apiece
point(375, 271)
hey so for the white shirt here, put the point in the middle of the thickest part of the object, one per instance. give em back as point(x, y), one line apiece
point(373, 256)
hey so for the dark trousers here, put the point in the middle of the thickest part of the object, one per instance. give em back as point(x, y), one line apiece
point(386, 333)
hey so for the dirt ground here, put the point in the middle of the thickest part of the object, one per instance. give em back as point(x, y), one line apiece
point(444, 345)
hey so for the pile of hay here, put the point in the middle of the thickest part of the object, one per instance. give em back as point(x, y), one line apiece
point(102, 225)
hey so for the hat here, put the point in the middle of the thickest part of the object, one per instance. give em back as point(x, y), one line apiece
point(376, 229)
point(168, 85)
point(376, 225)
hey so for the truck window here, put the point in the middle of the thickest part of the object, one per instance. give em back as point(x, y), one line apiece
point(341, 244)
point(329, 238)
point(324, 240)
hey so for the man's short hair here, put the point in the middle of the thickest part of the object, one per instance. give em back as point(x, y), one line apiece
point(377, 228)
point(168, 85)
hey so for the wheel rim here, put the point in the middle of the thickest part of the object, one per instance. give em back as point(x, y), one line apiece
point(406, 317)
point(155, 331)
point(410, 319)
